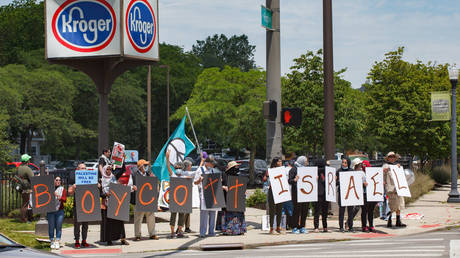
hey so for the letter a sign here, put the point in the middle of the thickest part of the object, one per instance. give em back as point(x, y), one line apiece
point(43, 199)
point(351, 188)
point(279, 184)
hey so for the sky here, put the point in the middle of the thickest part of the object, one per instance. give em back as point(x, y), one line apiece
point(363, 30)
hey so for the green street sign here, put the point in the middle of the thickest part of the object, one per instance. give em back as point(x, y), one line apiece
point(266, 18)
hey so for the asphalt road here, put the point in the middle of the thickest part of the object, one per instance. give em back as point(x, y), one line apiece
point(435, 244)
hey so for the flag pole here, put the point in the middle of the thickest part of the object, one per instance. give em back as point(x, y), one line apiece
point(193, 130)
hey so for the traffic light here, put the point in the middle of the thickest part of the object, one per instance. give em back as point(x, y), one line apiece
point(291, 116)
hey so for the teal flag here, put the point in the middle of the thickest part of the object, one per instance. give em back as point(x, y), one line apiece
point(179, 145)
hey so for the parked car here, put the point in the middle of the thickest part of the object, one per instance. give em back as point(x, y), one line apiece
point(91, 165)
point(9, 248)
point(260, 168)
point(68, 165)
point(32, 166)
point(50, 168)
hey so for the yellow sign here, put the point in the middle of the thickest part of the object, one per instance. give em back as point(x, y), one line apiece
point(440, 106)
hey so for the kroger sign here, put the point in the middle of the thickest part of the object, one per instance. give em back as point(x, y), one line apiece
point(87, 28)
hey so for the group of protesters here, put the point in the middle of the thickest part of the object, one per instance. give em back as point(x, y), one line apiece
point(229, 223)
point(296, 219)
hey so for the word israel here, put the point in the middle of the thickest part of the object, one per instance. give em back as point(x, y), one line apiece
point(140, 25)
point(82, 25)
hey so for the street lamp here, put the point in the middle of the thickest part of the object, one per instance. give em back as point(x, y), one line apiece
point(167, 93)
point(454, 196)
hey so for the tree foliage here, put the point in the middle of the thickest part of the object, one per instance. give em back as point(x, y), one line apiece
point(226, 106)
point(303, 88)
point(399, 105)
point(219, 51)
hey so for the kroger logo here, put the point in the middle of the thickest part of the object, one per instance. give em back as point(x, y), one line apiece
point(140, 25)
point(84, 26)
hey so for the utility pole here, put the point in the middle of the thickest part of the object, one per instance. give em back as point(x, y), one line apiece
point(329, 125)
point(274, 80)
point(149, 115)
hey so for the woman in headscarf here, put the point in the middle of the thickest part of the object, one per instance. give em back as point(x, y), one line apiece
point(274, 209)
point(344, 168)
point(300, 208)
point(234, 222)
point(321, 205)
point(111, 229)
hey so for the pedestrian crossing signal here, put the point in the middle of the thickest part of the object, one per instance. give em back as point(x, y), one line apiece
point(291, 116)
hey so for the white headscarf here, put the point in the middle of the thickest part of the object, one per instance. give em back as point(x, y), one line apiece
point(106, 179)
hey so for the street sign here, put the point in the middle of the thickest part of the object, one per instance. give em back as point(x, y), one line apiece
point(291, 116)
point(440, 106)
point(266, 15)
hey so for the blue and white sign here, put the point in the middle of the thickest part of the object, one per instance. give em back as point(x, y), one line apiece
point(77, 28)
point(131, 156)
point(86, 177)
point(141, 29)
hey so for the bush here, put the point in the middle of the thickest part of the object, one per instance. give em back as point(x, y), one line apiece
point(422, 185)
point(68, 207)
point(256, 199)
point(441, 174)
point(14, 214)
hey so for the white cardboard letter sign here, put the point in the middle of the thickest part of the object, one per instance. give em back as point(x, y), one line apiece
point(399, 179)
point(330, 186)
point(307, 185)
point(279, 184)
point(351, 188)
point(374, 189)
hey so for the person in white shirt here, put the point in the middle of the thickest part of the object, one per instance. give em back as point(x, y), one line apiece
point(207, 215)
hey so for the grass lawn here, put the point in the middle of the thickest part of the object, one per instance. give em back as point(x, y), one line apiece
point(9, 226)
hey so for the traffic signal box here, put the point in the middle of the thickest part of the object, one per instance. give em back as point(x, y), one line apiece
point(291, 116)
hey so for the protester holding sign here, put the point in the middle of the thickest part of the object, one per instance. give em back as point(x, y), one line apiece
point(207, 215)
point(103, 161)
point(300, 208)
point(321, 205)
point(76, 224)
point(395, 201)
point(367, 210)
point(111, 229)
point(56, 218)
point(234, 222)
point(188, 169)
point(274, 209)
point(178, 172)
point(142, 170)
point(344, 168)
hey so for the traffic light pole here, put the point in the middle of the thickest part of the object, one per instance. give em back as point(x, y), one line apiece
point(329, 125)
point(274, 80)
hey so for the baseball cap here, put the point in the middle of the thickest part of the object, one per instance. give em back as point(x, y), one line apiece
point(142, 162)
point(25, 157)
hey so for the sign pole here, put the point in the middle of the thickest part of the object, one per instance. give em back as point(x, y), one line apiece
point(193, 130)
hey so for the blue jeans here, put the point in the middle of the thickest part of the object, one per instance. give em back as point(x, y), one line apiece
point(55, 220)
point(207, 218)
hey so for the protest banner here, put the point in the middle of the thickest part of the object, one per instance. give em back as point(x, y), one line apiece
point(147, 193)
point(399, 179)
point(351, 188)
point(180, 195)
point(374, 189)
point(307, 184)
point(212, 190)
point(236, 194)
point(86, 177)
point(118, 154)
point(163, 198)
point(43, 198)
point(330, 187)
point(132, 156)
point(118, 203)
point(88, 203)
point(279, 184)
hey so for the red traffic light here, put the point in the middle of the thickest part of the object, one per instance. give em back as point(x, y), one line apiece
point(291, 116)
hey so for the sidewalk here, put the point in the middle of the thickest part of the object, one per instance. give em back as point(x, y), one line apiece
point(437, 213)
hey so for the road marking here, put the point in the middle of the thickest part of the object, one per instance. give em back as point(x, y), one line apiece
point(454, 248)
point(385, 251)
point(418, 240)
point(347, 255)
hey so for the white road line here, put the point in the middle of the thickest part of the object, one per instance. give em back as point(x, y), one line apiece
point(419, 239)
point(346, 255)
point(383, 251)
point(454, 248)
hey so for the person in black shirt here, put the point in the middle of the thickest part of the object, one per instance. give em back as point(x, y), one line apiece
point(300, 209)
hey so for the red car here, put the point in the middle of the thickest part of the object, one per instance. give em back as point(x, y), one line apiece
point(32, 166)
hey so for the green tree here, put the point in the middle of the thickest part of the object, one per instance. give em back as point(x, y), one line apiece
point(226, 106)
point(399, 105)
point(21, 29)
point(303, 88)
point(219, 51)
